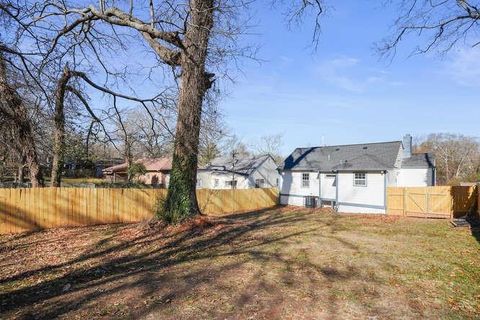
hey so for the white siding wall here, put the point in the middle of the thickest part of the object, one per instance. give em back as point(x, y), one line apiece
point(329, 186)
point(268, 172)
point(292, 186)
point(392, 177)
point(207, 179)
point(204, 181)
point(369, 199)
point(414, 177)
point(242, 181)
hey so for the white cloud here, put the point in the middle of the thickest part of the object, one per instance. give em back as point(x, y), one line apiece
point(464, 67)
point(348, 74)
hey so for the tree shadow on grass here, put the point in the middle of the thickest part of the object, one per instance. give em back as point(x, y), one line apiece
point(155, 269)
point(476, 233)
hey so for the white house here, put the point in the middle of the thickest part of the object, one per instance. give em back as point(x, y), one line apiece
point(353, 178)
point(239, 173)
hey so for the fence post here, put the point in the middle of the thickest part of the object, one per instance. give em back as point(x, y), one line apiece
point(427, 199)
point(452, 202)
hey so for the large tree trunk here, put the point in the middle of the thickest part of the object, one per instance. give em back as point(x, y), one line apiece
point(20, 178)
point(59, 133)
point(181, 199)
point(128, 157)
point(13, 108)
point(34, 169)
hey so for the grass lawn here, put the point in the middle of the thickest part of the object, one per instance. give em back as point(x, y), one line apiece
point(282, 263)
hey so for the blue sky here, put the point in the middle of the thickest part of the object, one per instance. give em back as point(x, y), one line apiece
point(343, 92)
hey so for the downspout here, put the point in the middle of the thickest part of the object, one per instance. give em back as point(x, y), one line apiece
point(320, 188)
point(385, 190)
point(336, 190)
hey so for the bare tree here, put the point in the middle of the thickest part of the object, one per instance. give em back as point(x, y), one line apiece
point(271, 144)
point(440, 24)
point(457, 156)
point(14, 115)
point(59, 130)
point(234, 145)
point(192, 39)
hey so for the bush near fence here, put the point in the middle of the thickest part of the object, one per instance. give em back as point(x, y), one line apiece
point(40, 208)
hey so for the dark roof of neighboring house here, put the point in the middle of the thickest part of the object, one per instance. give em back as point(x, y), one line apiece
point(419, 160)
point(151, 164)
point(365, 156)
point(243, 166)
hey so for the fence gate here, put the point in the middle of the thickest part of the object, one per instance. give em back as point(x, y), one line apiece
point(431, 202)
point(416, 202)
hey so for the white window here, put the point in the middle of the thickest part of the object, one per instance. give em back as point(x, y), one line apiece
point(216, 183)
point(259, 183)
point(231, 184)
point(360, 179)
point(330, 176)
point(305, 180)
point(278, 183)
point(199, 183)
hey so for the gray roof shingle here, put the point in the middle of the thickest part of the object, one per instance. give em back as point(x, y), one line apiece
point(367, 156)
point(419, 161)
point(244, 166)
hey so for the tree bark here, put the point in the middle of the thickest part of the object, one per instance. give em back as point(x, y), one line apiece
point(14, 110)
point(34, 168)
point(128, 157)
point(59, 133)
point(21, 170)
point(181, 201)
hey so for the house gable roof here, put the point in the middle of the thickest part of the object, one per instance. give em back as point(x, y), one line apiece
point(244, 166)
point(365, 156)
point(151, 164)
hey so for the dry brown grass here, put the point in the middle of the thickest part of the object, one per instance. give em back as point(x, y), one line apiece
point(284, 263)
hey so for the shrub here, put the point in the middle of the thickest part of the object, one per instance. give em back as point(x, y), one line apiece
point(136, 170)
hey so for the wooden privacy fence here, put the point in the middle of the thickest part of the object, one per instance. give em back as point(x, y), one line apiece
point(41, 208)
point(431, 202)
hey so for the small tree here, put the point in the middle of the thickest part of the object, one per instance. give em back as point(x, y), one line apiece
point(136, 170)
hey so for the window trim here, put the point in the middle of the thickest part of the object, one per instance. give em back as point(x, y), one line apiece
point(231, 184)
point(260, 185)
point(355, 179)
point(305, 182)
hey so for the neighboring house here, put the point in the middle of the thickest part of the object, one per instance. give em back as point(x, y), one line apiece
point(353, 178)
point(158, 172)
point(241, 173)
point(100, 165)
